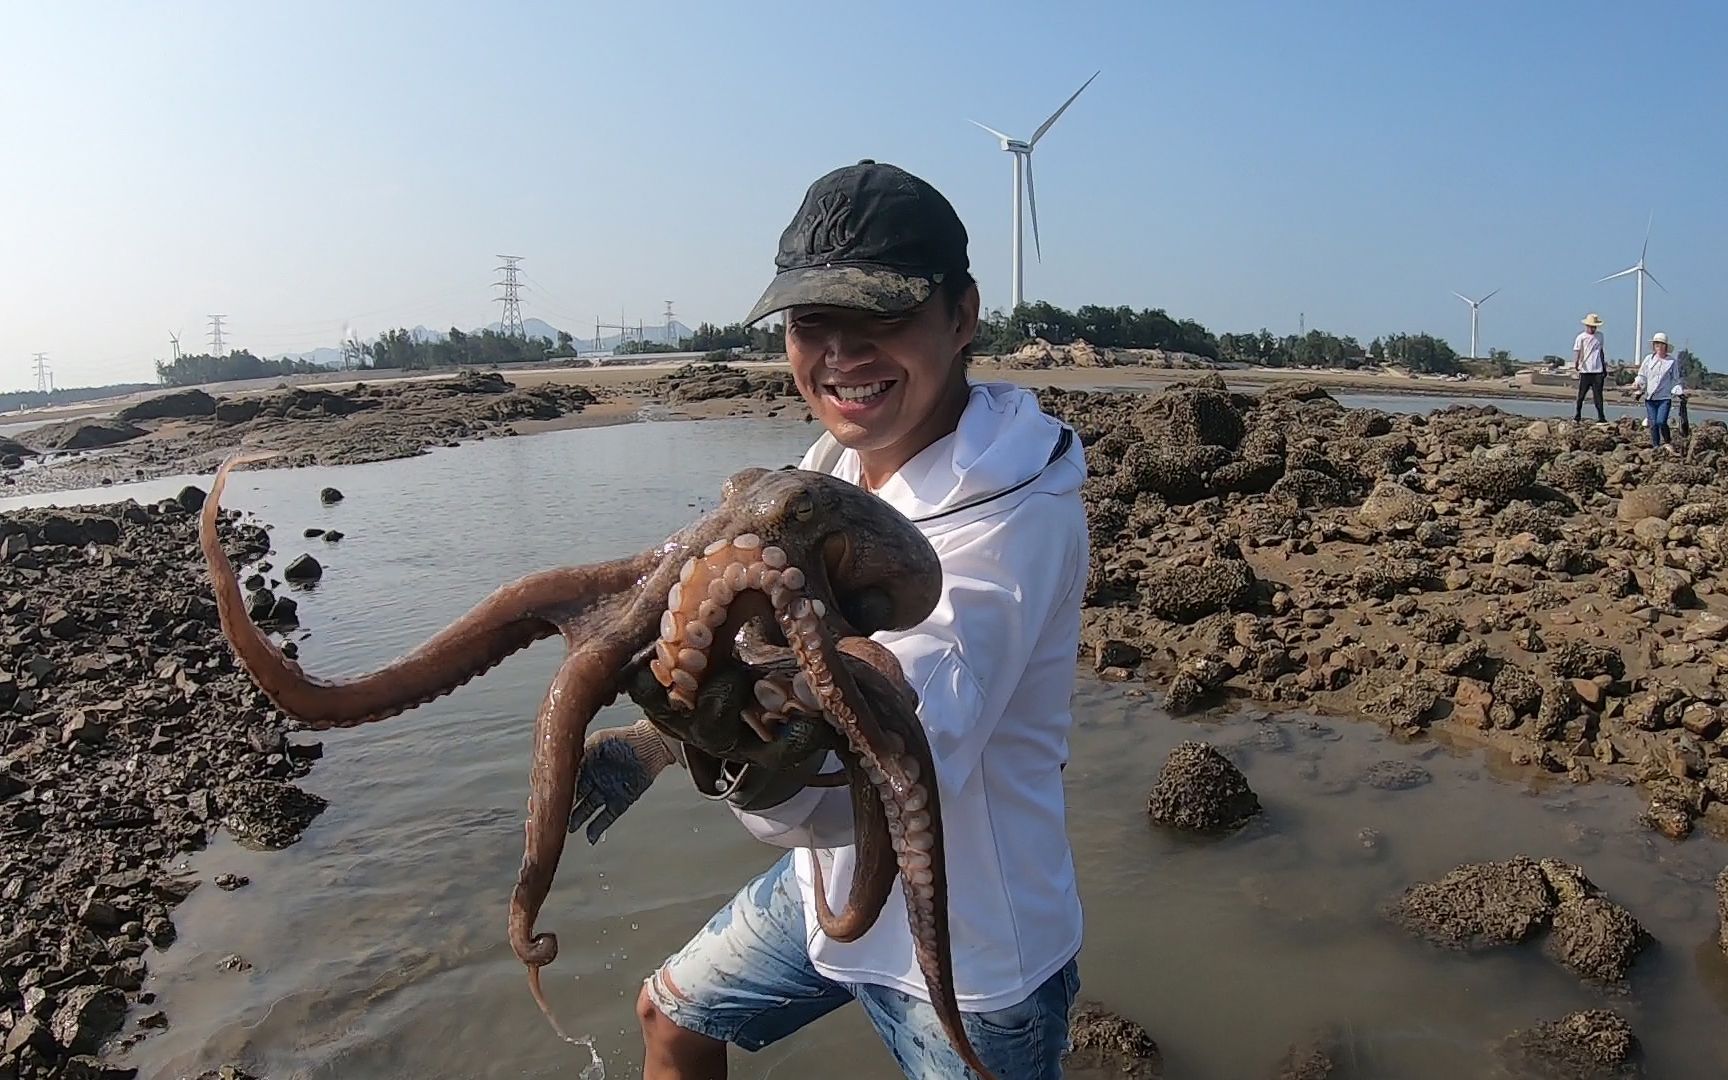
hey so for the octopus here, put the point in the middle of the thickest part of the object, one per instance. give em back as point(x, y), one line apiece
point(745, 638)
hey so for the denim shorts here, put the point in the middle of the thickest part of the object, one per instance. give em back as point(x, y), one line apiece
point(746, 979)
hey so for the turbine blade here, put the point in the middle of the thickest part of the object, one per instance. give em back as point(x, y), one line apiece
point(1646, 250)
point(1653, 280)
point(992, 131)
point(1623, 273)
point(1045, 126)
point(1032, 200)
point(1484, 300)
point(1464, 298)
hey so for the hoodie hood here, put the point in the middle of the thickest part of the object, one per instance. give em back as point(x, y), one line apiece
point(1000, 453)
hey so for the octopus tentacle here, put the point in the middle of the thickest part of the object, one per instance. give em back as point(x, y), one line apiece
point(910, 803)
point(510, 619)
point(582, 685)
point(700, 603)
point(873, 874)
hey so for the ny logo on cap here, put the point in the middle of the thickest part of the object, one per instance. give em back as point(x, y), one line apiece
point(831, 227)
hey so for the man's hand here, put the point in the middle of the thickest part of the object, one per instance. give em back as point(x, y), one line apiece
point(618, 764)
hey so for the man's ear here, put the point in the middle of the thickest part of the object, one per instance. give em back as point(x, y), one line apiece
point(966, 315)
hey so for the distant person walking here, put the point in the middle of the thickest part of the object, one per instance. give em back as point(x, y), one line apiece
point(1658, 381)
point(1591, 364)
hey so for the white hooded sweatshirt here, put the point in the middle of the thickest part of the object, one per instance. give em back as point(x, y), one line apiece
point(994, 668)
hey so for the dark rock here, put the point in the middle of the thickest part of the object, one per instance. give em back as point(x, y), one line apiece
point(268, 814)
point(1313, 1058)
point(1585, 1045)
point(177, 404)
point(303, 568)
point(1478, 905)
point(284, 612)
point(333, 536)
point(87, 1016)
point(1105, 1042)
point(83, 434)
point(329, 495)
point(230, 882)
point(86, 1067)
point(1198, 788)
point(1114, 653)
point(1395, 775)
point(190, 499)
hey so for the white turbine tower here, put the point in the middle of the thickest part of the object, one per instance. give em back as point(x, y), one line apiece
point(1022, 152)
point(1637, 269)
point(1474, 304)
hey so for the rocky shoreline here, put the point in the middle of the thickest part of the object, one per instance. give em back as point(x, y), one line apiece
point(189, 432)
point(1550, 590)
point(127, 737)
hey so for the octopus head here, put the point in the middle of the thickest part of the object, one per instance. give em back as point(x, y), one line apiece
point(861, 557)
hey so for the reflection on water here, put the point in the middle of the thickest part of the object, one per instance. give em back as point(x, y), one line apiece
point(378, 943)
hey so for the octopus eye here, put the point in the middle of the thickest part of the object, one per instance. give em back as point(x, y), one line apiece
point(803, 508)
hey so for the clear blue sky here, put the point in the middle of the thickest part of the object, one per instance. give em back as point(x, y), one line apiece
point(309, 166)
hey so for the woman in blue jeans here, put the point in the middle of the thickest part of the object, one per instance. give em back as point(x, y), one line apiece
point(1658, 382)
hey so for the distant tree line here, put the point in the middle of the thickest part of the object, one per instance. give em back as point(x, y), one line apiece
point(1124, 327)
point(240, 364)
point(401, 350)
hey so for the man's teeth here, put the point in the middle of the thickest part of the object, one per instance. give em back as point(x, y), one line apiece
point(856, 393)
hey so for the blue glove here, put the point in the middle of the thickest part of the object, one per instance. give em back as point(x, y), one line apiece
point(618, 765)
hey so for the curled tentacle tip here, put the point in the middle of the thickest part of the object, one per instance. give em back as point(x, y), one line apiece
point(537, 951)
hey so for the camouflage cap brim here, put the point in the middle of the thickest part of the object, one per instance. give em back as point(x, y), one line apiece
point(864, 288)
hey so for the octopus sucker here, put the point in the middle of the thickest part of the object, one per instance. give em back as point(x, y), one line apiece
point(677, 626)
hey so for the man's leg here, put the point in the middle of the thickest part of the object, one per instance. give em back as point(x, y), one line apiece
point(744, 979)
point(1598, 379)
point(1583, 388)
point(1025, 1041)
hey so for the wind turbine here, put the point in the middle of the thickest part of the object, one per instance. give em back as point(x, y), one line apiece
point(174, 339)
point(1474, 304)
point(1022, 151)
point(1641, 273)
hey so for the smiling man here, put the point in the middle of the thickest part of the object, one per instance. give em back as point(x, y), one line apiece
point(881, 308)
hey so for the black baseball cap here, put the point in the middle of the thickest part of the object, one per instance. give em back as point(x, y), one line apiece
point(868, 236)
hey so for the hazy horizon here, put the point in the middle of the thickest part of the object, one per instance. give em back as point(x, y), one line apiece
point(327, 168)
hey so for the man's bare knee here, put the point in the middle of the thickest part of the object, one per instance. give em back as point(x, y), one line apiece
point(659, 1029)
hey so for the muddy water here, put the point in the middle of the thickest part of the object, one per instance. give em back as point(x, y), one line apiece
point(377, 943)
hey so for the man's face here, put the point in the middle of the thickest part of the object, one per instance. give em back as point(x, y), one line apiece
point(878, 382)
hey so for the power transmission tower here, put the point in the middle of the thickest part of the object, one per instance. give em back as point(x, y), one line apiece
point(44, 382)
point(512, 321)
point(216, 334)
point(625, 331)
point(670, 340)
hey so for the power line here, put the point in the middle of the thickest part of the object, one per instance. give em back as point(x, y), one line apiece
point(216, 334)
point(512, 321)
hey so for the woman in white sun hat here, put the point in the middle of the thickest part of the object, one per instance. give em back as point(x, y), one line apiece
point(1658, 382)
point(1591, 363)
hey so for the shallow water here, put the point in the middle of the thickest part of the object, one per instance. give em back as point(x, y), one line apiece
point(378, 945)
